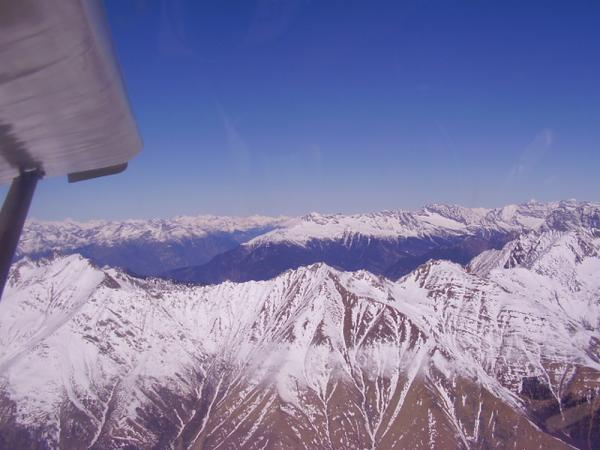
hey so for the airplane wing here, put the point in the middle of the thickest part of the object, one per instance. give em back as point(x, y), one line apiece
point(63, 105)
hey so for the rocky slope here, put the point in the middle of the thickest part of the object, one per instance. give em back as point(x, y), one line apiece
point(502, 354)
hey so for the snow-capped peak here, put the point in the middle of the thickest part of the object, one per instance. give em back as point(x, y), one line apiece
point(92, 357)
point(41, 235)
point(435, 220)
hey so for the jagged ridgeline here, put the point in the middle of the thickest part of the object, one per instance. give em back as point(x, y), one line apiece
point(209, 249)
point(501, 353)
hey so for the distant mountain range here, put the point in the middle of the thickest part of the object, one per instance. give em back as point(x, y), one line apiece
point(501, 353)
point(210, 250)
point(144, 247)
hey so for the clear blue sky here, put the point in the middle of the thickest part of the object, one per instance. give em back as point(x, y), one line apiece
point(285, 107)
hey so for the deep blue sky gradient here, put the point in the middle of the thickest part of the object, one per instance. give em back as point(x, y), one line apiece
point(286, 107)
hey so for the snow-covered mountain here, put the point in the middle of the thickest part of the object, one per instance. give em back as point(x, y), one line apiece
point(435, 221)
point(210, 249)
point(432, 220)
point(390, 243)
point(145, 247)
point(502, 354)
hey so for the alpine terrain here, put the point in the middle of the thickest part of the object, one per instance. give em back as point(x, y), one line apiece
point(209, 249)
point(144, 247)
point(390, 243)
point(503, 352)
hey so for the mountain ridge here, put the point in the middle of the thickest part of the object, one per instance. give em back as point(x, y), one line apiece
point(210, 249)
point(446, 356)
point(144, 247)
point(390, 243)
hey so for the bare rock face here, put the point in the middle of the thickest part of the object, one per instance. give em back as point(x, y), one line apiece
point(498, 355)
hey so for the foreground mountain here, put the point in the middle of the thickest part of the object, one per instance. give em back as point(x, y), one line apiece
point(502, 354)
point(389, 243)
point(144, 247)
